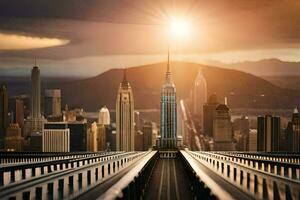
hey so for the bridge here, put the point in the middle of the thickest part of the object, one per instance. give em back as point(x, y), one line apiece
point(153, 174)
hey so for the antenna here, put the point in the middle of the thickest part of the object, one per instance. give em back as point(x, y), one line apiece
point(168, 69)
point(34, 61)
point(225, 101)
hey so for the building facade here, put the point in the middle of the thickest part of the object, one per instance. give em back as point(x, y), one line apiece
point(268, 133)
point(252, 140)
point(168, 113)
point(13, 139)
point(104, 116)
point(78, 133)
point(209, 110)
point(293, 132)
point(52, 103)
point(56, 140)
point(222, 129)
point(3, 114)
point(34, 124)
point(200, 96)
point(125, 117)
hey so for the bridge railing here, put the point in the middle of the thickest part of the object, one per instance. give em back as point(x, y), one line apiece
point(132, 185)
point(284, 169)
point(17, 173)
point(71, 182)
point(257, 183)
point(11, 158)
point(278, 157)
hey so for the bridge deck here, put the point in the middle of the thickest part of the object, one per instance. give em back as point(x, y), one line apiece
point(168, 181)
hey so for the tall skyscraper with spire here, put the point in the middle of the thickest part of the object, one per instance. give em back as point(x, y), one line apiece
point(34, 124)
point(200, 96)
point(125, 117)
point(168, 112)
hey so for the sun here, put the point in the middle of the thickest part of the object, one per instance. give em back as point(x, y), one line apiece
point(179, 27)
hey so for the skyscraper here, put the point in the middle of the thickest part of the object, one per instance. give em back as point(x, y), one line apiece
point(34, 124)
point(268, 133)
point(209, 110)
point(168, 112)
point(56, 140)
point(125, 117)
point(293, 132)
point(104, 116)
point(35, 93)
point(200, 96)
point(52, 104)
point(78, 133)
point(222, 129)
point(19, 112)
point(3, 114)
point(252, 140)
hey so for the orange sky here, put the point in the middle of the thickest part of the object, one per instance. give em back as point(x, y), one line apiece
point(106, 34)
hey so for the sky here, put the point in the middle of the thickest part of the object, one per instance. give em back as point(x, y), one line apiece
point(87, 37)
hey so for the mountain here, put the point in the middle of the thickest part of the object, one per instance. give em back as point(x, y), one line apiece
point(242, 89)
point(289, 82)
point(267, 67)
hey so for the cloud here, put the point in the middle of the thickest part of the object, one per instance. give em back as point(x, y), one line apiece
point(225, 30)
point(19, 42)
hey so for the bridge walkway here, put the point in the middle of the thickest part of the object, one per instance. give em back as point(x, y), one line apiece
point(168, 181)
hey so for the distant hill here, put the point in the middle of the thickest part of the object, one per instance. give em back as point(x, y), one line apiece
point(267, 67)
point(242, 89)
point(289, 82)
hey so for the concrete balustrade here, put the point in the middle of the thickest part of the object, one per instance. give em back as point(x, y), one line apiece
point(23, 172)
point(8, 158)
point(257, 182)
point(288, 170)
point(71, 182)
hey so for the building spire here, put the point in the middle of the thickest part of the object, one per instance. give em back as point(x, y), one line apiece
point(35, 61)
point(168, 64)
point(168, 73)
point(125, 82)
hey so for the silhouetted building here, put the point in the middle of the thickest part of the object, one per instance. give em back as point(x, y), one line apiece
point(19, 112)
point(34, 124)
point(56, 140)
point(104, 116)
point(125, 117)
point(252, 144)
point(52, 103)
point(209, 110)
point(35, 93)
point(13, 138)
point(200, 96)
point(111, 137)
point(137, 121)
point(138, 141)
point(168, 112)
point(222, 129)
point(183, 127)
point(92, 138)
point(102, 140)
point(78, 133)
point(293, 133)
point(147, 135)
point(3, 114)
point(268, 133)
